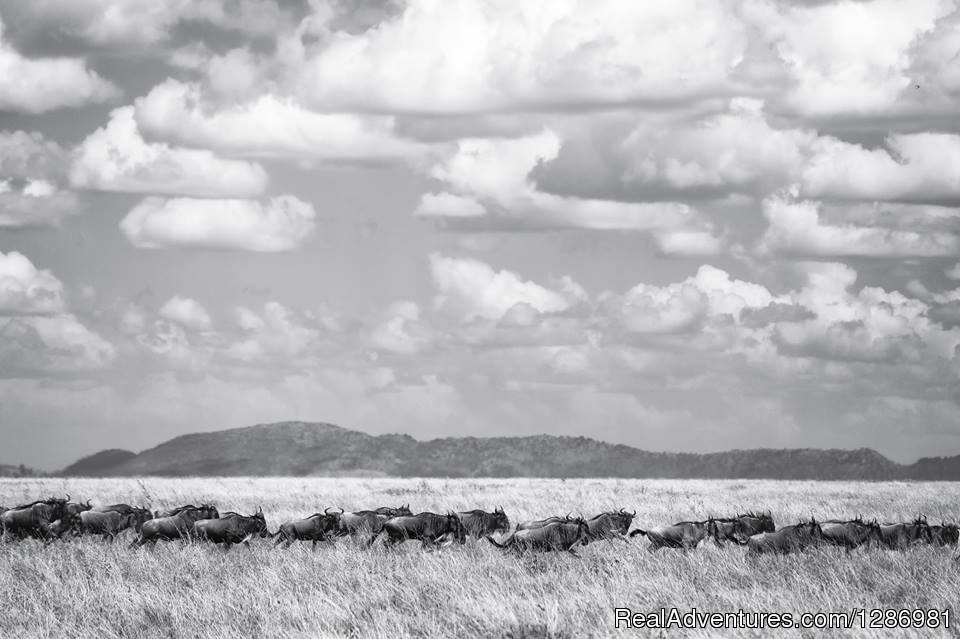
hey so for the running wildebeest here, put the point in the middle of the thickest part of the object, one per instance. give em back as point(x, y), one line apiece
point(788, 539)
point(945, 534)
point(683, 534)
point(610, 525)
point(174, 526)
point(850, 533)
point(480, 523)
point(899, 536)
point(367, 522)
point(560, 536)
point(426, 527)
point(540, 523)
point(34, 519)
point(317, 527)
point(111, 523)
point(231, 528)
point(740, 528)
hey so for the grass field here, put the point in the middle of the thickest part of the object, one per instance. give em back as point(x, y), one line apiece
point(86, 588)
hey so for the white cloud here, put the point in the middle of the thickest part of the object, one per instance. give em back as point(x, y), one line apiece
point(36, 85)
point(116, 158)
point(36, 203)
point(51, 345)
point(28, 155)
point(489, 180)
point(795, 228)
point(268, 126)
point(26, 290)
point(472, 289)
point(187, 312)
point(281, 224)
point(401, 330)
point(277, 334)
point(916, 168)
point(470, 56)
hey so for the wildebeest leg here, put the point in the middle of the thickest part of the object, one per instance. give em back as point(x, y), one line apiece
point(573, 552)
point(373, 538)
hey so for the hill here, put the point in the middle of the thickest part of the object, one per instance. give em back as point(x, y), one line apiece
point(10, 470)
point(305, 448)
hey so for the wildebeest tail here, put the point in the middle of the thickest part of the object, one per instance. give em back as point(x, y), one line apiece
point(638, 531)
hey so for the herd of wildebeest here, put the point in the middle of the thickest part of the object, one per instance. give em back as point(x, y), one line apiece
point(54, 518)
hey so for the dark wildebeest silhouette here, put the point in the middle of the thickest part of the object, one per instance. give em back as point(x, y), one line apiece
point(540, 523)
point(368, 522)
point(426, 527)
point(740, 528)
point(683, 534)
point(944, 534)
point(316, 528)
point(788, 539)
point(36, 518)
point(231, 528)
point(899, 536)
point(850, 533)
point(480, 523)
point(613, 524)
point(560, 536)
point(175, 525)
point(110, 523)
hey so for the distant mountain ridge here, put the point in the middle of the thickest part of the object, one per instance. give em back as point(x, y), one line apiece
point(321, 449)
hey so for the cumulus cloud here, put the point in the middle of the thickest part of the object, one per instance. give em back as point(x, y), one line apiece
point(187, 312)
point(471, 289)
point(915, 167)
point(401, 331)
point(269, 126)
point(51, 345)
point(488, 181)
point(27, 290)
point(276, 334)
point(36, 85)
point(280, 224)
point(795, 228)
point(476, 56)
point(117, 158)
point(31, 169)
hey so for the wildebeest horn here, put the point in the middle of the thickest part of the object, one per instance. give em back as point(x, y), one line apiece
point(68, 496)
point(88, 504)
point(634, 513)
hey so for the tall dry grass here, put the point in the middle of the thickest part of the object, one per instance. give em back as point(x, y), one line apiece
point(87, 588)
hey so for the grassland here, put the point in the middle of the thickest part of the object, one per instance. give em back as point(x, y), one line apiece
point(87, 588)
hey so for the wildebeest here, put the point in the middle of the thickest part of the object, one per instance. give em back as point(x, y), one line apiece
point(231, 528)
point(317, 527)
point(426, 527)
point(613, 524)
point(788, 539)
point(683, 534)
point(111, 523)
point(850, 533)
point(367, 522)
point(35, 519)
point(740, 528)
point(945, 534)
point(540, 523)
point(174, 526)
point(560, 536)
point(899, 536)
point(480, 523)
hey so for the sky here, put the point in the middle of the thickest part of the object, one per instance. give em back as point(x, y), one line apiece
point(684, 226)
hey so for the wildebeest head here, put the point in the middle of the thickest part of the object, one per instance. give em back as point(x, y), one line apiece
point(139, 516)
point(919, 530)
point(75, 508)
point(622, 519)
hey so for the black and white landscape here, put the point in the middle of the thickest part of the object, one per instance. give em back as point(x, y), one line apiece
point(564, 257)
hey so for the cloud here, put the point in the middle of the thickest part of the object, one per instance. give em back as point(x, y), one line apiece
point(187, 312)
point(401, 331)
point(269, 126)
point(488, 184)
point(472, 56)
point(116, 158)
point(37, 85)
point(914, 168)
point(27, 290)
point(31, 169)
point(139, 22)
point(281, 224)
point(277, 335)
point(471, 289)
point(795, 228)
point(52, 345)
